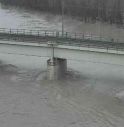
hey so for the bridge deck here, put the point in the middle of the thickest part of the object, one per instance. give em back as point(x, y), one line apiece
point(78, 40)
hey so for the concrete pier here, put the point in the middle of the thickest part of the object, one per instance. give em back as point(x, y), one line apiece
point(56, 68)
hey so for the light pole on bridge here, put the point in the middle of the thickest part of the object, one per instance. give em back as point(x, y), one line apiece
point(62, 11)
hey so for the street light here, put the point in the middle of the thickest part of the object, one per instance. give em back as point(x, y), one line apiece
point(62, 4)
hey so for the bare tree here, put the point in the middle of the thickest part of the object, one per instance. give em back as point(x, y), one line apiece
point(88, 10)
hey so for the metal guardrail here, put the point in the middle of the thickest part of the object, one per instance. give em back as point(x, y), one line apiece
point(70, 39)
point(50, 33)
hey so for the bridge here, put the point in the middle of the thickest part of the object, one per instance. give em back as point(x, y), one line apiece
point(68, 39)
point(68, 46)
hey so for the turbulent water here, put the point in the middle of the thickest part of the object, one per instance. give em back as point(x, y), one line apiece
point(91, 96)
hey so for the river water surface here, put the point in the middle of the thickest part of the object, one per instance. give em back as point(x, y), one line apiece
point(91, 96)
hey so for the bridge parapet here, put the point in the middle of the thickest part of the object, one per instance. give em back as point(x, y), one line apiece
point(66, 39)
point(51, 33)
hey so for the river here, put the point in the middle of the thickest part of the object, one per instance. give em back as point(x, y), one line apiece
point(91, 96)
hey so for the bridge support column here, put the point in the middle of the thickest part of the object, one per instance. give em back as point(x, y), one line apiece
point(56, 68)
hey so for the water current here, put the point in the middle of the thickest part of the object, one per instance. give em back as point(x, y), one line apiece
point(91, 96)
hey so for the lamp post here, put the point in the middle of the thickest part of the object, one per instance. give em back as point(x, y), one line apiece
point(62, 4)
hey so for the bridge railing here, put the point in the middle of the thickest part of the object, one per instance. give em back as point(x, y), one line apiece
point(56, 34)
point(82, 39)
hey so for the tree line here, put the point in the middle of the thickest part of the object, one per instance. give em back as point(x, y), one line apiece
point(110, 11)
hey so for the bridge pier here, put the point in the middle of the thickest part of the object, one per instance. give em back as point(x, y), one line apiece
point(56, 68)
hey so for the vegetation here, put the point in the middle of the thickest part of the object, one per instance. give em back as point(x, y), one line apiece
point(88, 10)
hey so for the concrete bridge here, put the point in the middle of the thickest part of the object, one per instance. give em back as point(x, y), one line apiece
point(67, 46)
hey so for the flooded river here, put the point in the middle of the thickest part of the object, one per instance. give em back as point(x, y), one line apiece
point(91, 96)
